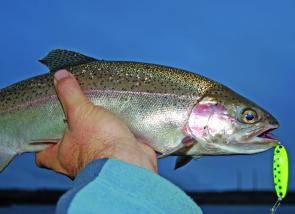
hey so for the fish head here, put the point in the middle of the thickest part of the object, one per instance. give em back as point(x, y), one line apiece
point(224, 122)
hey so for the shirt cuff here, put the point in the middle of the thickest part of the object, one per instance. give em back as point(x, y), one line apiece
point(118, 186)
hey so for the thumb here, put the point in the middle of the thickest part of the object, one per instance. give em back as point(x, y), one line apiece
point(69, 92)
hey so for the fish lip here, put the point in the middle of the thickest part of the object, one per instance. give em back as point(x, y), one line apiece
point(261, 137)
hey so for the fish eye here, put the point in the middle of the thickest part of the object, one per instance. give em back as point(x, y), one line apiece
point(249, 116)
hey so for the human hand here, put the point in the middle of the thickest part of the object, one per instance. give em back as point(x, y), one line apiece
point(92, 133)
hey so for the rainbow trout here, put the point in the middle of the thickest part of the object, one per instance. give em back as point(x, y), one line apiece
point(177, 112)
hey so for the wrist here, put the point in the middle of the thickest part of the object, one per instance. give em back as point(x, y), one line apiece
point(134, 154)
point(130, 151)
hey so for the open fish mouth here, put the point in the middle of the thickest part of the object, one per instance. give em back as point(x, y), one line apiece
point(266, 135)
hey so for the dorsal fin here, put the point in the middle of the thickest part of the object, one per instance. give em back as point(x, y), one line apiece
point(59, 59)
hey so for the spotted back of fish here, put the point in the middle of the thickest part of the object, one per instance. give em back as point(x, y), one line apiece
point(106, 75)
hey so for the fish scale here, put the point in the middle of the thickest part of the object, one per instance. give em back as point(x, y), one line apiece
point(155, 101)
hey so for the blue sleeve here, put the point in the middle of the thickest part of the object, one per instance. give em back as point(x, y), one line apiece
point(113, 186)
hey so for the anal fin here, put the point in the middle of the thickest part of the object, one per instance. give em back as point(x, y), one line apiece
point(37, 145)
point(6, 156)
point(44, 141)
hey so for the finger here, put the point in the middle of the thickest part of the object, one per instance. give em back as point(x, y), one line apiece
point(69, 91)
point(145, 146)
point(48, 159)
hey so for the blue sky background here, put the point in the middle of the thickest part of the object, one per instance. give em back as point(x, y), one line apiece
point(246, 45)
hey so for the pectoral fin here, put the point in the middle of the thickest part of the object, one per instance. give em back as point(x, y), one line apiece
point(6, 156)
point(180, 149)
point(183, 160)
point(171, 151)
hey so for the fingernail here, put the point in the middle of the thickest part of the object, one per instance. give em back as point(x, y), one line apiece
point(61, 74)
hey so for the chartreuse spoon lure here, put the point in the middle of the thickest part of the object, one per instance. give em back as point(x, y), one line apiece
point(280, 174)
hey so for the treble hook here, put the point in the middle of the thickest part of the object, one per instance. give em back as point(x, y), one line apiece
point(275, 206)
